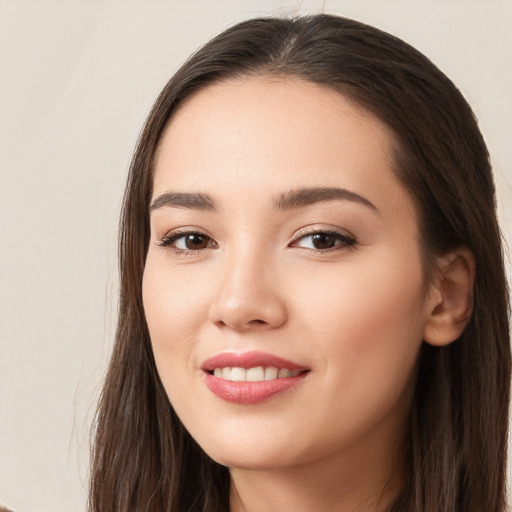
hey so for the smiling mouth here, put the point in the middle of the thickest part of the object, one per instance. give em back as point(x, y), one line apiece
point(255, 374)
point(251, 377)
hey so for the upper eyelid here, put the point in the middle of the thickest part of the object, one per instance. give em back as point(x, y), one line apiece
point(184, 231)
point(303, 232)
point(312, 230)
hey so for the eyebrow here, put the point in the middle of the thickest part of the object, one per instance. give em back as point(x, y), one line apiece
point(286, 201)
point(195, 201)
point(307, 196)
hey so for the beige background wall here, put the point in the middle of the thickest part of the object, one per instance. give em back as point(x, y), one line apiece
point(76, 81)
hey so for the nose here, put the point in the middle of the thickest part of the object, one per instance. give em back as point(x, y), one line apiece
point(248, 296)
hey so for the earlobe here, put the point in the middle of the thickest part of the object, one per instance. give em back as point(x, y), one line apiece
point(451, 302)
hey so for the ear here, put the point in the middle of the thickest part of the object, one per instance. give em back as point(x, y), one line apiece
point(451, 296)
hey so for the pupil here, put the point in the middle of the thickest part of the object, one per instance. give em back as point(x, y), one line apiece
point(195, 242)
point(323, 241)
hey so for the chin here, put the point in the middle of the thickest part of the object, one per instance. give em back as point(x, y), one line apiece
point(243, 454)
point(248, 462)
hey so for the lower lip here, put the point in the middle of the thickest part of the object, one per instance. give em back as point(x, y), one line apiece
point(248, 393)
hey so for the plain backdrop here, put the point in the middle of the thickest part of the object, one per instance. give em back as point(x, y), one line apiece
point(77, 79)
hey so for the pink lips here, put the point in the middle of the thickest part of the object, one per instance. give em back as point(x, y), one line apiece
point(245, 392)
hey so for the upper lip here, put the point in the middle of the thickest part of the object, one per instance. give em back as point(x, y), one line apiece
point(248, 360)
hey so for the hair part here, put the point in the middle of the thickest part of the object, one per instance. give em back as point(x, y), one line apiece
point(144, 459)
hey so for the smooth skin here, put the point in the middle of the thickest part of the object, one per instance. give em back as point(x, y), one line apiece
point(335, 284)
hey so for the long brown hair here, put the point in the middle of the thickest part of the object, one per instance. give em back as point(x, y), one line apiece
point(143, 458)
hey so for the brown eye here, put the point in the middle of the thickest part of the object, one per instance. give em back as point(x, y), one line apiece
point(323, 241)
point(194, 241)
point(183, 242)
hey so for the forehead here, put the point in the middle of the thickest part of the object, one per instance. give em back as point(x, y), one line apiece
point(261, 134)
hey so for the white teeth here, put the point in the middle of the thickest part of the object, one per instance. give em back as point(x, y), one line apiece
point(256, 374)
point(238, 374)
point(271, 373)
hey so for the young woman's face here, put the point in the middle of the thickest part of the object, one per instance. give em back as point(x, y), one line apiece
point(283, 286)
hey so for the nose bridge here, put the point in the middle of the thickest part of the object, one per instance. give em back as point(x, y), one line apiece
point(248, 295)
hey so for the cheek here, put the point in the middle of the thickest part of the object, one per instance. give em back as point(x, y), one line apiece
point(172, 306)
point(366, 328)
point(368, 321)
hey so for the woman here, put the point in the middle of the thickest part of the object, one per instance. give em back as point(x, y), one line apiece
point(313, 308)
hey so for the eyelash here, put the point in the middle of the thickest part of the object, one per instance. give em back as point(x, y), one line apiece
point(343, 241)
point(168, 240)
